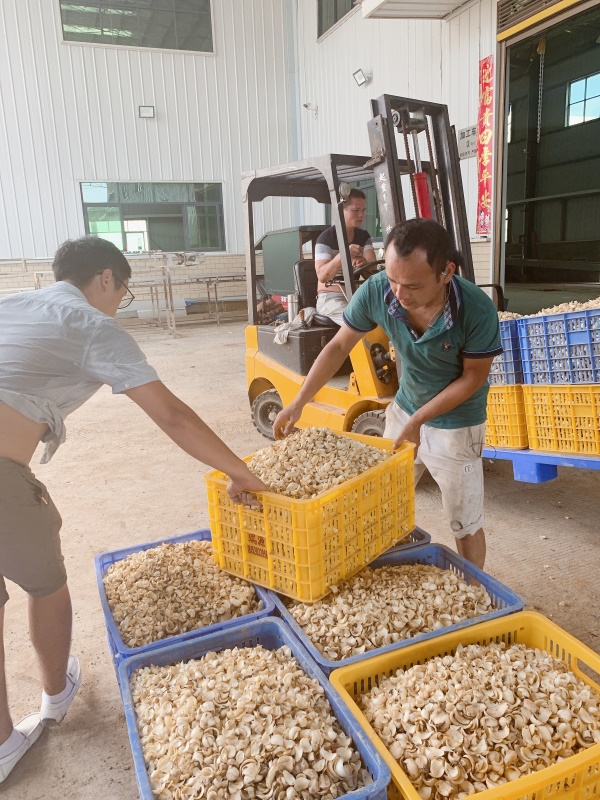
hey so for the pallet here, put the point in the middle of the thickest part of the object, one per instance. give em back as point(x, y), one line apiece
point(531, 466)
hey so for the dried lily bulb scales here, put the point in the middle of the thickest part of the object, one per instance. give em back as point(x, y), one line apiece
point(483, 717)
point(243, 723)
point(172, 589)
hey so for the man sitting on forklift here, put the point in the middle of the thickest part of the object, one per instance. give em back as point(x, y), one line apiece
point(446, 334)
point(331, 300)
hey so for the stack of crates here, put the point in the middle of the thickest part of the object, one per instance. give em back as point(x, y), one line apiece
point(273, 627)
point(545, 386)
point(506, 426)
point(300, 547)
point(561, 366)
point(348, 527)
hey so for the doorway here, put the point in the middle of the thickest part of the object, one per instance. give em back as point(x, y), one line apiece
point(552, 169)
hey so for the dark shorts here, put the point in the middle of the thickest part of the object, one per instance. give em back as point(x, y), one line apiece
point(30, 553)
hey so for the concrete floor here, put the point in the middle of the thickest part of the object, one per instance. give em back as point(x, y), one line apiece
point(119, 481)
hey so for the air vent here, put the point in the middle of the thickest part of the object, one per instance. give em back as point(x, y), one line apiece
point(511, 12)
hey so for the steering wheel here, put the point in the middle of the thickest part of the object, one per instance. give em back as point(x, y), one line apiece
point(358, 273)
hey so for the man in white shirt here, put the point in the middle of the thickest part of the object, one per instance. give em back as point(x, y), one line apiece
point(58, 346)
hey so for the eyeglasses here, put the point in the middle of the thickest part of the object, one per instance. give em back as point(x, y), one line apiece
point(128, 297)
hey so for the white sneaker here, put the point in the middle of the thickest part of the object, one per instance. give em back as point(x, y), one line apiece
point(52, 714)
point(29, 729)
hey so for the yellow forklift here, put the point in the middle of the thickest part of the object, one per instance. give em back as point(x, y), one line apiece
point(356, 398)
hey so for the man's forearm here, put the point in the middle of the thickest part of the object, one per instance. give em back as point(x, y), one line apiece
point(328, 270)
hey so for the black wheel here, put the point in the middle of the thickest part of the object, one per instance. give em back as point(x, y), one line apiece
point(264, 410)
point(371, 423)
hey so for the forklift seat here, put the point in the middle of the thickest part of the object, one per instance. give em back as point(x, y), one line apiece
point(304, 345)
point(305, 277)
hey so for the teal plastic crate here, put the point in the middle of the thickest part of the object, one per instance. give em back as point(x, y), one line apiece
point(561, 348)
point(272, 634)
point(118, 649)
point(505, 601)
point(507, 368)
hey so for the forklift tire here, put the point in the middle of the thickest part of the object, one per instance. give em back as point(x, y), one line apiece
point(264, 410)
point(371, 423)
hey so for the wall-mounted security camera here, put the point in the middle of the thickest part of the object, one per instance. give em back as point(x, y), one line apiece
point(310, 107)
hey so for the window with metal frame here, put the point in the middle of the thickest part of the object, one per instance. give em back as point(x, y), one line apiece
point(583, 100)
point(332, 11)
point(155, 216)
point(511, 12)
point(164, 24)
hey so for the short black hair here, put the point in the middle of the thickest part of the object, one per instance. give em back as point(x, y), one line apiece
point(427, 235)
point(78, 260)
point(354, 193)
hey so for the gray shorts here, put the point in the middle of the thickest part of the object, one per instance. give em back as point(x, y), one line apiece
point(30, 553)
point(453, 458)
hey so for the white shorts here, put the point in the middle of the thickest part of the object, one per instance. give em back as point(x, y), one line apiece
point(332, 305)
point(453, 458)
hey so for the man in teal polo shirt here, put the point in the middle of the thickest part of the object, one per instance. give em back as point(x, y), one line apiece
point(446, 334)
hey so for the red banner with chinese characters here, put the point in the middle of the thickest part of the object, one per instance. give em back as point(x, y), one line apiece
point(485, 135)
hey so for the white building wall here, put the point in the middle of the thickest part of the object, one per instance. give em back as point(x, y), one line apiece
point(404, 57)
point(436, 60)
point(68, 113)
point(469, 35)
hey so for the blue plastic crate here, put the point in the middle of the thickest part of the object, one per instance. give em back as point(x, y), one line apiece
point(114, 655)
point(119, 649)
point(415, 538)
point(271, 634)
point(561, 348)
point(504, 599)
point(507, 368)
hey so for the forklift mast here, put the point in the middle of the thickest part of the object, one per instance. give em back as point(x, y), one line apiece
point(426, 182)
point(427, 179)
point(435, 183)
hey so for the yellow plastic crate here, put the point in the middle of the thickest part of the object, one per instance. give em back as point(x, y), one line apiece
point(506, 425)
point(576, 778)
point(563, 419)
point(300, 548)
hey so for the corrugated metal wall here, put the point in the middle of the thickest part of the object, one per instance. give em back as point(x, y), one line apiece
point(68, 113)
point(429, 59)
point(469, 36)
point(403, 56)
